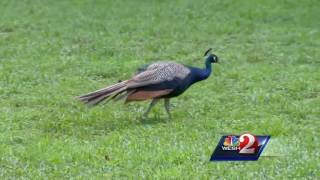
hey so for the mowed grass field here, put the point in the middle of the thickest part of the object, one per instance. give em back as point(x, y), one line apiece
point(267, 83)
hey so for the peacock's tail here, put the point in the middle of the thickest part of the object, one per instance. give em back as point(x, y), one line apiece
point(100, 95)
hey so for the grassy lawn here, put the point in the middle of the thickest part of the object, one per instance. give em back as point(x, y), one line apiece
point(267, 83)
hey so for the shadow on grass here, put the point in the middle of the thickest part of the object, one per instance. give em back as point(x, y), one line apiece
point(154, 120)
point(86, 123)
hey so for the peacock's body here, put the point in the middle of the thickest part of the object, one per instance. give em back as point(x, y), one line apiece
point(160, 80)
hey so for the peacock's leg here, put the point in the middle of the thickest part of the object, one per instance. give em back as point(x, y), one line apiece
point(153, 102)
point(167, 106)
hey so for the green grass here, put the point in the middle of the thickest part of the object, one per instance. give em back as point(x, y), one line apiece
point(267, 83)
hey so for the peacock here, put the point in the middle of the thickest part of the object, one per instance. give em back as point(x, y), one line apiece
point(160, 80)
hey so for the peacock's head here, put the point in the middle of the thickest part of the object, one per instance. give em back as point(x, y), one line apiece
point(211, 57)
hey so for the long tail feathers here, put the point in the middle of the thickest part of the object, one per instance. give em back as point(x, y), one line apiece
point(100, 95)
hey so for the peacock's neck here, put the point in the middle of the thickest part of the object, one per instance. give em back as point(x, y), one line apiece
point(208, 67)
point(207, 70)
point(202, 74)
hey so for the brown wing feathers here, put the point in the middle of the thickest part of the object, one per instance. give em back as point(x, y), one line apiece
point(141, 95)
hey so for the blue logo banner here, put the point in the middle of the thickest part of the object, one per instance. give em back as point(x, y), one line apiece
point(245, 147)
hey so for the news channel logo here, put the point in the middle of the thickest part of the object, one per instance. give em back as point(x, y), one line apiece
point(245, 147)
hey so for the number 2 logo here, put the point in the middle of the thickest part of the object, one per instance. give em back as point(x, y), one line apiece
point(248, 144)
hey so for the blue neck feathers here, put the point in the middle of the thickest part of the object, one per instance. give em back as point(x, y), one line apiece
point(205, 72)
point(208, 68)
point(202, 74)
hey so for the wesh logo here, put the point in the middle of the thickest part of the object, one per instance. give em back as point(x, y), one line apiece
point(243, 147)
point(231, 143)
